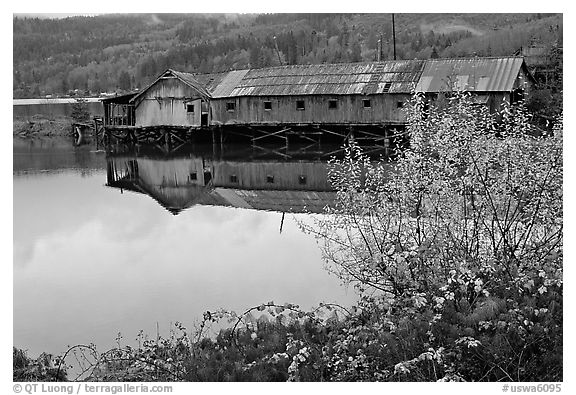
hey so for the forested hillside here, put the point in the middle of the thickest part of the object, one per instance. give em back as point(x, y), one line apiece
point(90, 55)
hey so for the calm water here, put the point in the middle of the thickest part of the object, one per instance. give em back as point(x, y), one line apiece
point(118, 242)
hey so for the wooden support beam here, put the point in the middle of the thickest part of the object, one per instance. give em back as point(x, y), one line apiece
point(404, 133)
point(132, 136)
point(167, 140)
point(239, 133)
point(333, 152)
point(161, 148)
point(350, 136)
point(304, 149)
point(332, 132)
point(273, 151)
point(270, 134)
point(178, 147)
point(375, 148)
point(175, 136)
point(158, 138)
point(377, 136)
point(305, 132)
point(307, 138)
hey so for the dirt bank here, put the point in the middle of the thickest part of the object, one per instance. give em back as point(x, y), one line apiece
point(38, 125)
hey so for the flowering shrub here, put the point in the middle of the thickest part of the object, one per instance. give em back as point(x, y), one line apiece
point(43, 368)
point(461, 239)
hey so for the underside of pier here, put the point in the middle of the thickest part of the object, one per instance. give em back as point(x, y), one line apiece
point(379, 135)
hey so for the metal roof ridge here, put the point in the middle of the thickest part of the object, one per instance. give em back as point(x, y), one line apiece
point(373, 62)
point(338, 64)
point(358, 73)
point(218, 72)
point(474, 58)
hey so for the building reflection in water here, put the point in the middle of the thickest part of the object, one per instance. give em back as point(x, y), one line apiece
point(235, 176)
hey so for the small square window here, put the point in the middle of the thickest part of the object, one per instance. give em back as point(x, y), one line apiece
point(399, 104)
point(234, 179)
point(302, 180)
point(268, 105)
point(366, 103)
point(230, 106)
point(270, 179)
point(193, 176)
point(300, 105)
point(332, 104)
point(190, 108)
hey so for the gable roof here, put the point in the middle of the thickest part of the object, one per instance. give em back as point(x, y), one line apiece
point(471, 74)
point(178, 198)
point(187, 78)
point(495, 74)
point(190, 80)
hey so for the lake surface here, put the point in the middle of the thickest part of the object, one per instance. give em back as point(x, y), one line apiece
point(122, 241)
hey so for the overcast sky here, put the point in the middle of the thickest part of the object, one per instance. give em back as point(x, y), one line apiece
point(50, 16)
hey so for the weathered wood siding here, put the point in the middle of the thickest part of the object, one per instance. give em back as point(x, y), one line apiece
point(286, 176)
point(524, 82)
point(165, 104)
point(350, 109)
point(173, 173)
point(500, 99)
point(496, 101)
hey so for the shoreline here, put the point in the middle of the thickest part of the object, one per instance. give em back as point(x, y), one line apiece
point(41, 126)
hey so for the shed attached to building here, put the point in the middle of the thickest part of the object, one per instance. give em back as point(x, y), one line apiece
point(118, 111)
point(492, 81)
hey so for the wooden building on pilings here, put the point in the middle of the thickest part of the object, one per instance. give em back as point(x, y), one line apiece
point(306, 100)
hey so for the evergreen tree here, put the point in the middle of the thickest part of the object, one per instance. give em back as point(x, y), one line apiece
point(124, 81)
point(80, 111)
point(356, 52)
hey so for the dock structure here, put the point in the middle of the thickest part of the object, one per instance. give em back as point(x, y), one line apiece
point(305, 102)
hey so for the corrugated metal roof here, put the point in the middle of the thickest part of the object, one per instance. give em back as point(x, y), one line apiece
point(325, 79)
point(278, 200)
point(210, 81)
point(471, 74)
point(394, 76)
point(228, 83)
